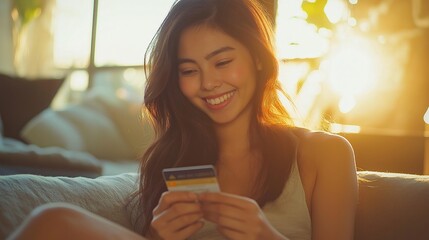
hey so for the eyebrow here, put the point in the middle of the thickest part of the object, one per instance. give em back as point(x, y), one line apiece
point(210, 55)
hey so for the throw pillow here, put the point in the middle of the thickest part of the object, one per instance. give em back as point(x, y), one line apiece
point(21, 99)
point(134, 128)
point(80, 128)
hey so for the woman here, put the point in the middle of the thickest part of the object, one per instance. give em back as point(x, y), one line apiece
point(212, 97)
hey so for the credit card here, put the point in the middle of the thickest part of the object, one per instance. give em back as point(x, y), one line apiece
point(195, 179)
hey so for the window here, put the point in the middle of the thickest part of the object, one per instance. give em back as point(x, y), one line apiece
point(102, 42)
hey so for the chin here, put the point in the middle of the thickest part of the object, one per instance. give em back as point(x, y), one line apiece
point(222, 120)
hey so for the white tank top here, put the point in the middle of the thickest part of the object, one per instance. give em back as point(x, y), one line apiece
point(288, 213)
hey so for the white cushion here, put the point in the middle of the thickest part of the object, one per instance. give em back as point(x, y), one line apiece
point(136, 130)
point(79, 128)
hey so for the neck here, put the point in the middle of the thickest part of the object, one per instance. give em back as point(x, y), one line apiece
point(233, 139)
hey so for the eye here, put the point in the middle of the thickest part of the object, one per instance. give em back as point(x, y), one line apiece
point(187, 72)
point(223, 63)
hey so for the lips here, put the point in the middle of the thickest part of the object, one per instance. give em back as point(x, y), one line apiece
point(217, 102)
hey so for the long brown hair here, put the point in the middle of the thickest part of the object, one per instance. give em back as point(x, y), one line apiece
point(184, 134)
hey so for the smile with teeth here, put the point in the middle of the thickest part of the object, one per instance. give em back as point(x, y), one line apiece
point(221, 99)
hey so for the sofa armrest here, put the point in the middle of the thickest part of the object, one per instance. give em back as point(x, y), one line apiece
point(392, 206)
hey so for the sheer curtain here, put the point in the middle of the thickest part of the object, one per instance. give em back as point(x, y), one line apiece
point(33, 44)
point(6, 46)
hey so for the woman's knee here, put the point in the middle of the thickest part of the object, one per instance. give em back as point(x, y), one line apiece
point(55, 213)
point(48, 221)
point(65, 221)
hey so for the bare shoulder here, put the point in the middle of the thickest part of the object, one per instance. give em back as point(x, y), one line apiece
point(318, 150)
point(328, 173)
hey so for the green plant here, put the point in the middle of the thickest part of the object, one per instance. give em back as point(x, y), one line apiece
point(315, 10)
point(27, 10)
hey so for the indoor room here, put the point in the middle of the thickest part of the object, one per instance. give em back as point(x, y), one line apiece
point(74, 128)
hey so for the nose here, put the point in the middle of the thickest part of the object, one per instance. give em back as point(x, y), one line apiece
point(210, 81)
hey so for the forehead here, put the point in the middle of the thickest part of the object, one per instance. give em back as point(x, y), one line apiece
point(202, 39)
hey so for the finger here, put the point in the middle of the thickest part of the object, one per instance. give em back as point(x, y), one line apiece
point(166, 229)
point(182, 222)
point(177, 210)
point(230, 216)
point(225, 215)
point(169, 198)
point(227, 222)
point(183, 233)
point(231, 234)
point(188, 231)
point(223, 210)
point(230, 199)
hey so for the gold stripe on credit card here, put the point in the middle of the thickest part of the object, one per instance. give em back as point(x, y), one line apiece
point(175, 183)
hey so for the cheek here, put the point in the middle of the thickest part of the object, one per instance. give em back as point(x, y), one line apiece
point(189, 87)
point(241, 75)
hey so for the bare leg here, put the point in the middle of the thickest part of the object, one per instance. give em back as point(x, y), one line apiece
point(64, 221)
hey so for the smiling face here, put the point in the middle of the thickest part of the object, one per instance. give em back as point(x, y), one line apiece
point(216, 73)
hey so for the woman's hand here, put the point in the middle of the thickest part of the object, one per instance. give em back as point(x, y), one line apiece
point(177, 216)
point(237, 217)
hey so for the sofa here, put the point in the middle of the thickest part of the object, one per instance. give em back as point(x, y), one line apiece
point(101, 134)
point(391, 205)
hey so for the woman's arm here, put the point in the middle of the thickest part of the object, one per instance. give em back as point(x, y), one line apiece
point(335, 192)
